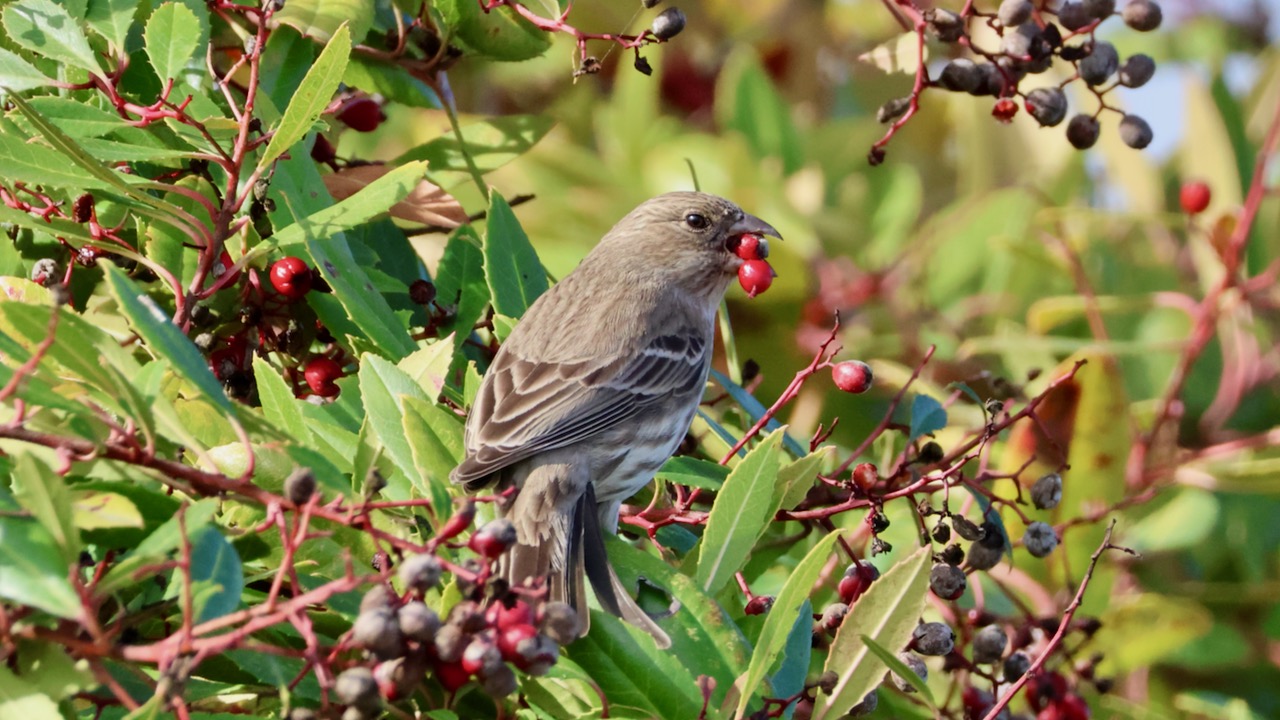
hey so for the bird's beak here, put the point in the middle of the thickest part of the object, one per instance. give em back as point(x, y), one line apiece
point(750, 224)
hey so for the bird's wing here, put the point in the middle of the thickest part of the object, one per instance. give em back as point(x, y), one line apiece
point(525, 406)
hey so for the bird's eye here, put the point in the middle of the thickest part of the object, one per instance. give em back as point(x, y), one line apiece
point(696, 221)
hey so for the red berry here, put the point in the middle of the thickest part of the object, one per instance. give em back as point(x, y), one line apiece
point(323, 151)
point(222, 266)
point(851, 587)
point(321, 372)
point(1195, 197)
point(291, 277)
point(750, 247)
point(510, 638)
point(852, 376)
point(452, 675)
point(1073, 707)
point(755, 276)
point(502, 617)
point(1045, 689)
point(362, 114)
point(759, 605)
point(494, 539)
point(225, 362)
point(865, 475)
point(1004, 110)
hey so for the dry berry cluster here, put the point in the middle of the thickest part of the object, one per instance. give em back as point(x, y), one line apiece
point(1035, 36)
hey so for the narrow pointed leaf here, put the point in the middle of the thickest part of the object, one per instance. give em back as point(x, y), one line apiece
point(313, 95)
point(743, 507)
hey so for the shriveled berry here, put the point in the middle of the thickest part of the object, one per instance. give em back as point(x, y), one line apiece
point(1135, 132)
point(1194, 197)
point(417, 621)
point(852, 376)
point(993, 535)
point(362, 114)
point(1082, 131)
point(941, 532)
point(356, 686)
point(1016, 665)
point(933, 638)
point(1039, 539)
point(1004, 110)
point(1047, 105)
point(960, 75)
point(668, 24)
point(500, 682)
point(1100, 9)
point(946, 25)
point(1101, 63)
point(494, 539)
point(1046, 493)
point(1137, 70)
point(983, 557)
point(759, 605)
point(43, 271)
point(947, 581)
point(320, 373)
point(291, 277)
point(915, 665)
point(378, 631)
point(952, 554)
point(893, 109)
point(422, 292)
point(1073, 16)
point(420, 572)
point(560, 622)
point(300, 486)
point(1142, 15)
point(989, 644)
point(832, 616)
point(966, 528)
point(1014, 12)
point(879, 522)
point(755, 276)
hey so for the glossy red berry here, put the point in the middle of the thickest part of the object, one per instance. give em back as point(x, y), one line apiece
point(494, 539)
point(759, 605)
point(362, 114)
point(452, 675)
point(1194, 197)
point(502, 617)
point(321, 373)
point(852, 376)
point(750, 247)
point(291, 277)
point(755, 276)
point(511, 637)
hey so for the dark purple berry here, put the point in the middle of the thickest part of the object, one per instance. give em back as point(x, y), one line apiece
point(989, 644)
point(1039, 539)
point(1135, 132)
point(933, 638)
point(1082, 131)
point(1047, 105)
point(1100, 65)
point(1047, 492)
point(668, 24)
point(1142, 15)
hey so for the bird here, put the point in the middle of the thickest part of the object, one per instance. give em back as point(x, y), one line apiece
point(596, 387)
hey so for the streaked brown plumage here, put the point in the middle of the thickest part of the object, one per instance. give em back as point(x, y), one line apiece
point(596, 387)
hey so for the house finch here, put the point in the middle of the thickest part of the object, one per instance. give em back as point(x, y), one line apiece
point(596, 388)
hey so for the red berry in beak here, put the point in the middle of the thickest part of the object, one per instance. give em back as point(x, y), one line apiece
point(755, 276)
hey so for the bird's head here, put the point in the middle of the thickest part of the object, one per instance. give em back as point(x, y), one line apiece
point(691, 237)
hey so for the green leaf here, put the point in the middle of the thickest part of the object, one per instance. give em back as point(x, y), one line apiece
point(899, 668)
point(37, 164)
point(164, 338)
point(43, 493)
point(758, 111)
point(631, 672)
point(77, 119)
point(312, 97)
point(694, 472)
point(384, 387)
point(435, 440)
point(491, 143)
point(217, 578)
point(279, 405)
point(887, 612)
point(20, 699)
point(99, 510)
point(927, 416)
point(500, 34)
point(742, 510)
point(796, 478)
point(46, 29)
point(796, 653)
point(1182, 520)
point(786, 608)
point(17, 75)
point(32, 569)
point(460, 282)
point(323, 19)
point(164, 540)
point(112, 19)
point(515, 275)
point(170, 39)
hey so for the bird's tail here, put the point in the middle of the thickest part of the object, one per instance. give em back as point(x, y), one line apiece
point(568, 549)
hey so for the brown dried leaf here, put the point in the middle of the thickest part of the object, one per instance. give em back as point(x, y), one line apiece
point(426, 203)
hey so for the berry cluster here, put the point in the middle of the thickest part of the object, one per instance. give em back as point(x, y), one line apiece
point(486, 637)
point(755, 275)
point(1033, 36)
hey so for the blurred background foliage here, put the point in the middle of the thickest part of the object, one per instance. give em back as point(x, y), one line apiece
point(976, 237)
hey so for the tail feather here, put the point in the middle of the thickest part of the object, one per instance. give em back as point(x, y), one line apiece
point(610, 591)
